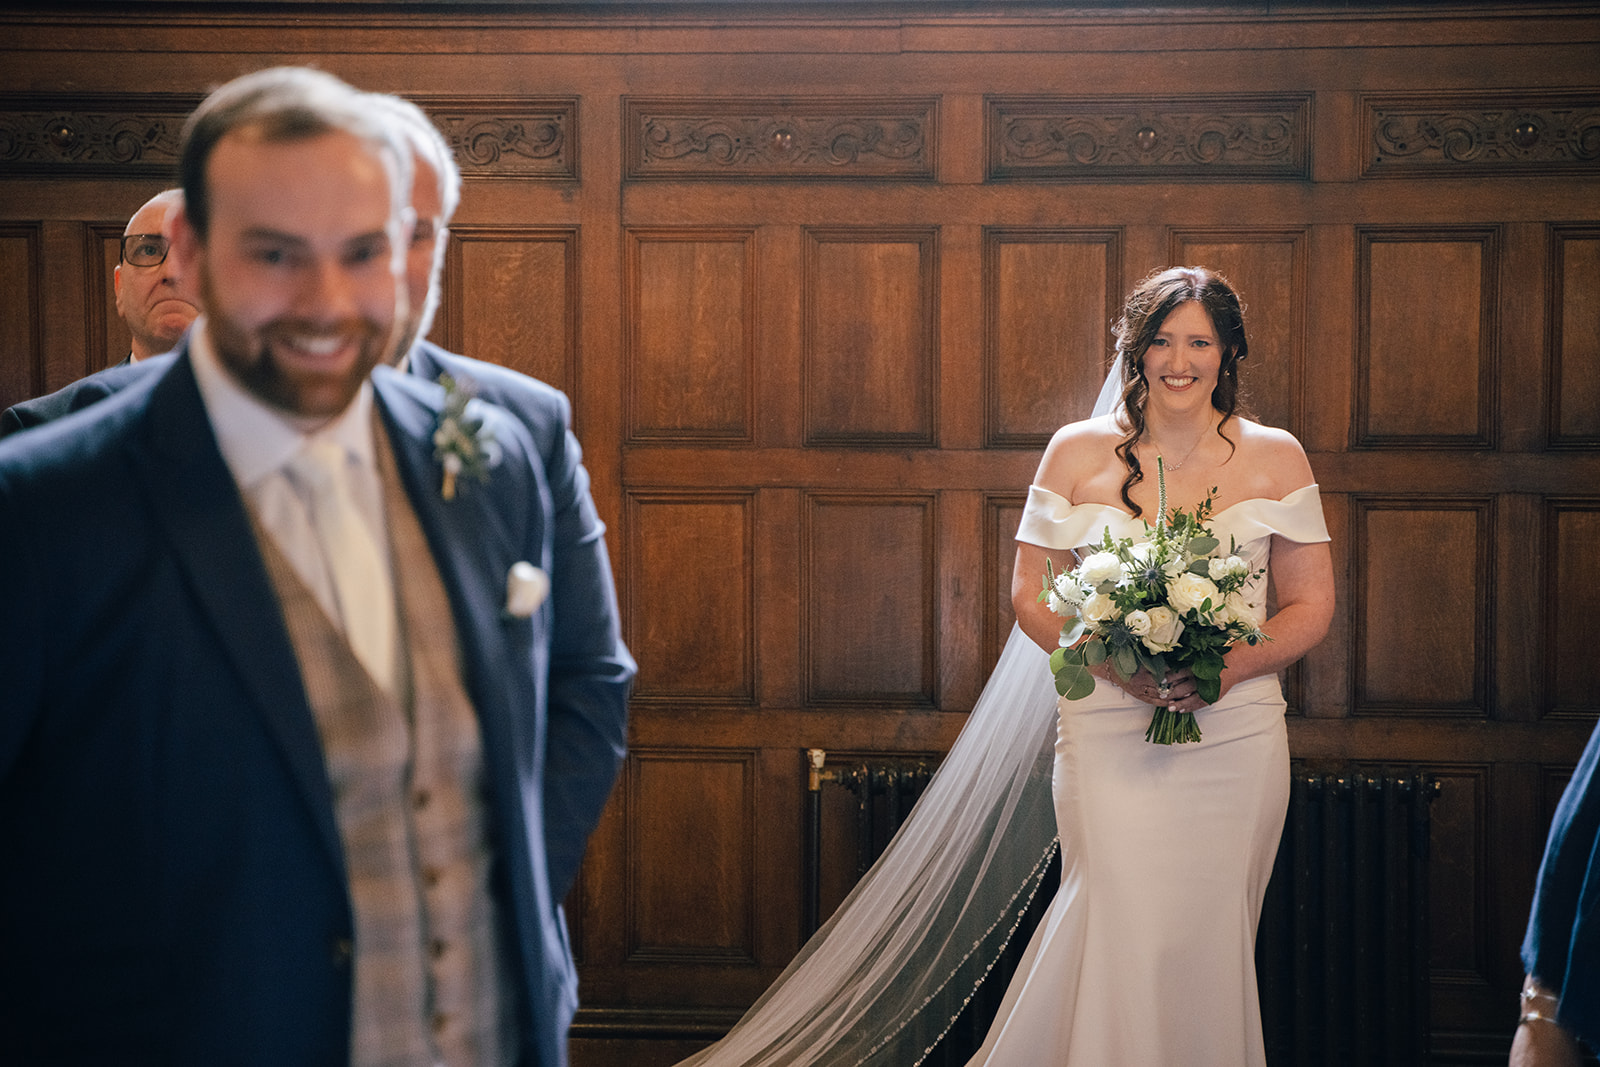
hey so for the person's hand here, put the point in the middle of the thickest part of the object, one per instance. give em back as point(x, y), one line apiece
point(1178, 693)
point(1540, 1041)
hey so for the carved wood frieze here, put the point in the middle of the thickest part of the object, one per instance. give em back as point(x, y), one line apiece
point(755, 139)
point(138, 135)
point(509, 137)
point(1472, 134)
point(1242, 137)
point(92, 136)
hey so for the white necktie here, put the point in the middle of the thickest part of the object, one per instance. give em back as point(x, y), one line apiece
point(355, 565)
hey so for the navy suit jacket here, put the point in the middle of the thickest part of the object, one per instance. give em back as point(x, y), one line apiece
point(82, 393)
point(1562, 946)
point(174, 890)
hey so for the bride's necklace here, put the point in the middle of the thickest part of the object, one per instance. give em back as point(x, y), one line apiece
point(1161, 452)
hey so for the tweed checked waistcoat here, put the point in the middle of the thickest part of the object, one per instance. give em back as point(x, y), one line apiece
point(432, 977)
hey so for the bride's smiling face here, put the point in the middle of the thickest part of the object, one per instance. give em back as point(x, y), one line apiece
point(1184, 358)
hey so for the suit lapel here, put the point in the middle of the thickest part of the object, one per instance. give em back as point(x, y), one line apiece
point(198, 505)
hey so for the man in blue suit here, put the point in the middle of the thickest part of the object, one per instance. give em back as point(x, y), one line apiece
point(1561, 950)
point(294, 767)
point(152, 301)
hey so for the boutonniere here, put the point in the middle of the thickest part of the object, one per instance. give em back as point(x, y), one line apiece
point(526, 588)
point(461, 443)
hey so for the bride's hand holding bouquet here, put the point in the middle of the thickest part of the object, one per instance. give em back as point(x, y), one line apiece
point(1170, 604)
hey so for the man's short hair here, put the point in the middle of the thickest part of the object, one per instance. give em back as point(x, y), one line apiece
point(428, 144)
point(282, 104)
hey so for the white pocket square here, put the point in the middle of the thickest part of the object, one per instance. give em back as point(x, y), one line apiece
point(526, 588)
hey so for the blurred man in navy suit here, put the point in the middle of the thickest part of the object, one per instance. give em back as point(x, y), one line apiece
point(295, 767)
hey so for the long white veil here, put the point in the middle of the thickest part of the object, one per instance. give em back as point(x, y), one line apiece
point(883, 979)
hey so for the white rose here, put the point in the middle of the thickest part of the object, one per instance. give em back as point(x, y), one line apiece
point(1137, 622)
point(1223, 568)
point(1188, 591)
point(1165, 630)
point(1241, 610)
point(1099, 568)
point(1098, 608)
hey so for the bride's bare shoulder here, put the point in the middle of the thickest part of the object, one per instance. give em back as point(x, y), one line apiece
point(1103, 429)
point(1276, 454)
point(1076, 452)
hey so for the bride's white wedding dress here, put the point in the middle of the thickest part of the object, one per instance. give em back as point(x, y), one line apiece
point(1147, 954)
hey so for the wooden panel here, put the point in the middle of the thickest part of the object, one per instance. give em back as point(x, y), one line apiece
point(690, 597)
point(871, 599)
point(1458, 876)
point(1268, 271)
point(1574, 325)
point(690, 318)
point(691, 855)
point(1464, 134)
point(511, 297)
point(1049, 299)
point(1426, 366)
point(785, 138)
point(1422, 568)
point(1238, 137)
point(870, 347)
point(1572, 602)
point(21, 358)
point(103, 247)
point(1002, 515)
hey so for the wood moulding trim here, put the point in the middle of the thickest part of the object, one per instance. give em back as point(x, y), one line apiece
point(1237, 137)
point(1484, 512)
point(32, 235)
point(99, 289)
point(138, 135)
point(1484, 435)
point(780, 138)
point(642, 951)
point(1558, 237)
point(1533, 133)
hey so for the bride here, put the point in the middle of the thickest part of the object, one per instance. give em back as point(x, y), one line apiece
point(1146, 955)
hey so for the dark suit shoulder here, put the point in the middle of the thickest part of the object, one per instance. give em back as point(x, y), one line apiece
point(83, 393)
point(525, 396)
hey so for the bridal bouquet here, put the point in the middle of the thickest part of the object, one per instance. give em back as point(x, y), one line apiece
point(1171, 600)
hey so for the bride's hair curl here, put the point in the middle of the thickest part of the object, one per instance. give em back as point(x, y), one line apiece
point(1146, 308)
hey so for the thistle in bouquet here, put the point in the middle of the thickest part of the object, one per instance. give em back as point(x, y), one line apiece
point(1171, 600)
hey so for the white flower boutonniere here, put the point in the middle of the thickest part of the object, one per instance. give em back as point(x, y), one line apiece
point(461, 442)
point(526, 588)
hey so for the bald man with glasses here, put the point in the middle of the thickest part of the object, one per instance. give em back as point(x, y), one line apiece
point(156, 305)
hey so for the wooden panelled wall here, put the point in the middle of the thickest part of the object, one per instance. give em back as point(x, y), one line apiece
point(822, 284)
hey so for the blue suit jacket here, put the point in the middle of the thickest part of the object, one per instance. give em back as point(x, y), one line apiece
point(175, 891)
point(1562, 946)
point(82, 393)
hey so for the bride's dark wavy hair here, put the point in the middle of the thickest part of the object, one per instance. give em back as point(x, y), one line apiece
point(1146, 308)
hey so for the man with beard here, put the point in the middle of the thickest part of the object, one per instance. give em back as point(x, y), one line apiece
point(580, 563)
point(152, 301)
point(275, 757)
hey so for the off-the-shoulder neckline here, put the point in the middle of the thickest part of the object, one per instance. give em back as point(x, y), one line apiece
point(1214, 516)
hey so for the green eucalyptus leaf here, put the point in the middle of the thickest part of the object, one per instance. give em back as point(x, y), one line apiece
point(1125, 661)
point(1094, 652)
point(1204, 545)
point(1074, 681)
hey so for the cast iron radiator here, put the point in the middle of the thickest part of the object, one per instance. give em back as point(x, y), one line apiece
point(1342, 949)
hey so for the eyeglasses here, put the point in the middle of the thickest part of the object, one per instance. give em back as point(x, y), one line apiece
point(144, 249)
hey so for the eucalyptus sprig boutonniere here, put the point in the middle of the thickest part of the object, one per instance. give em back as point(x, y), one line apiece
point(461, 442)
